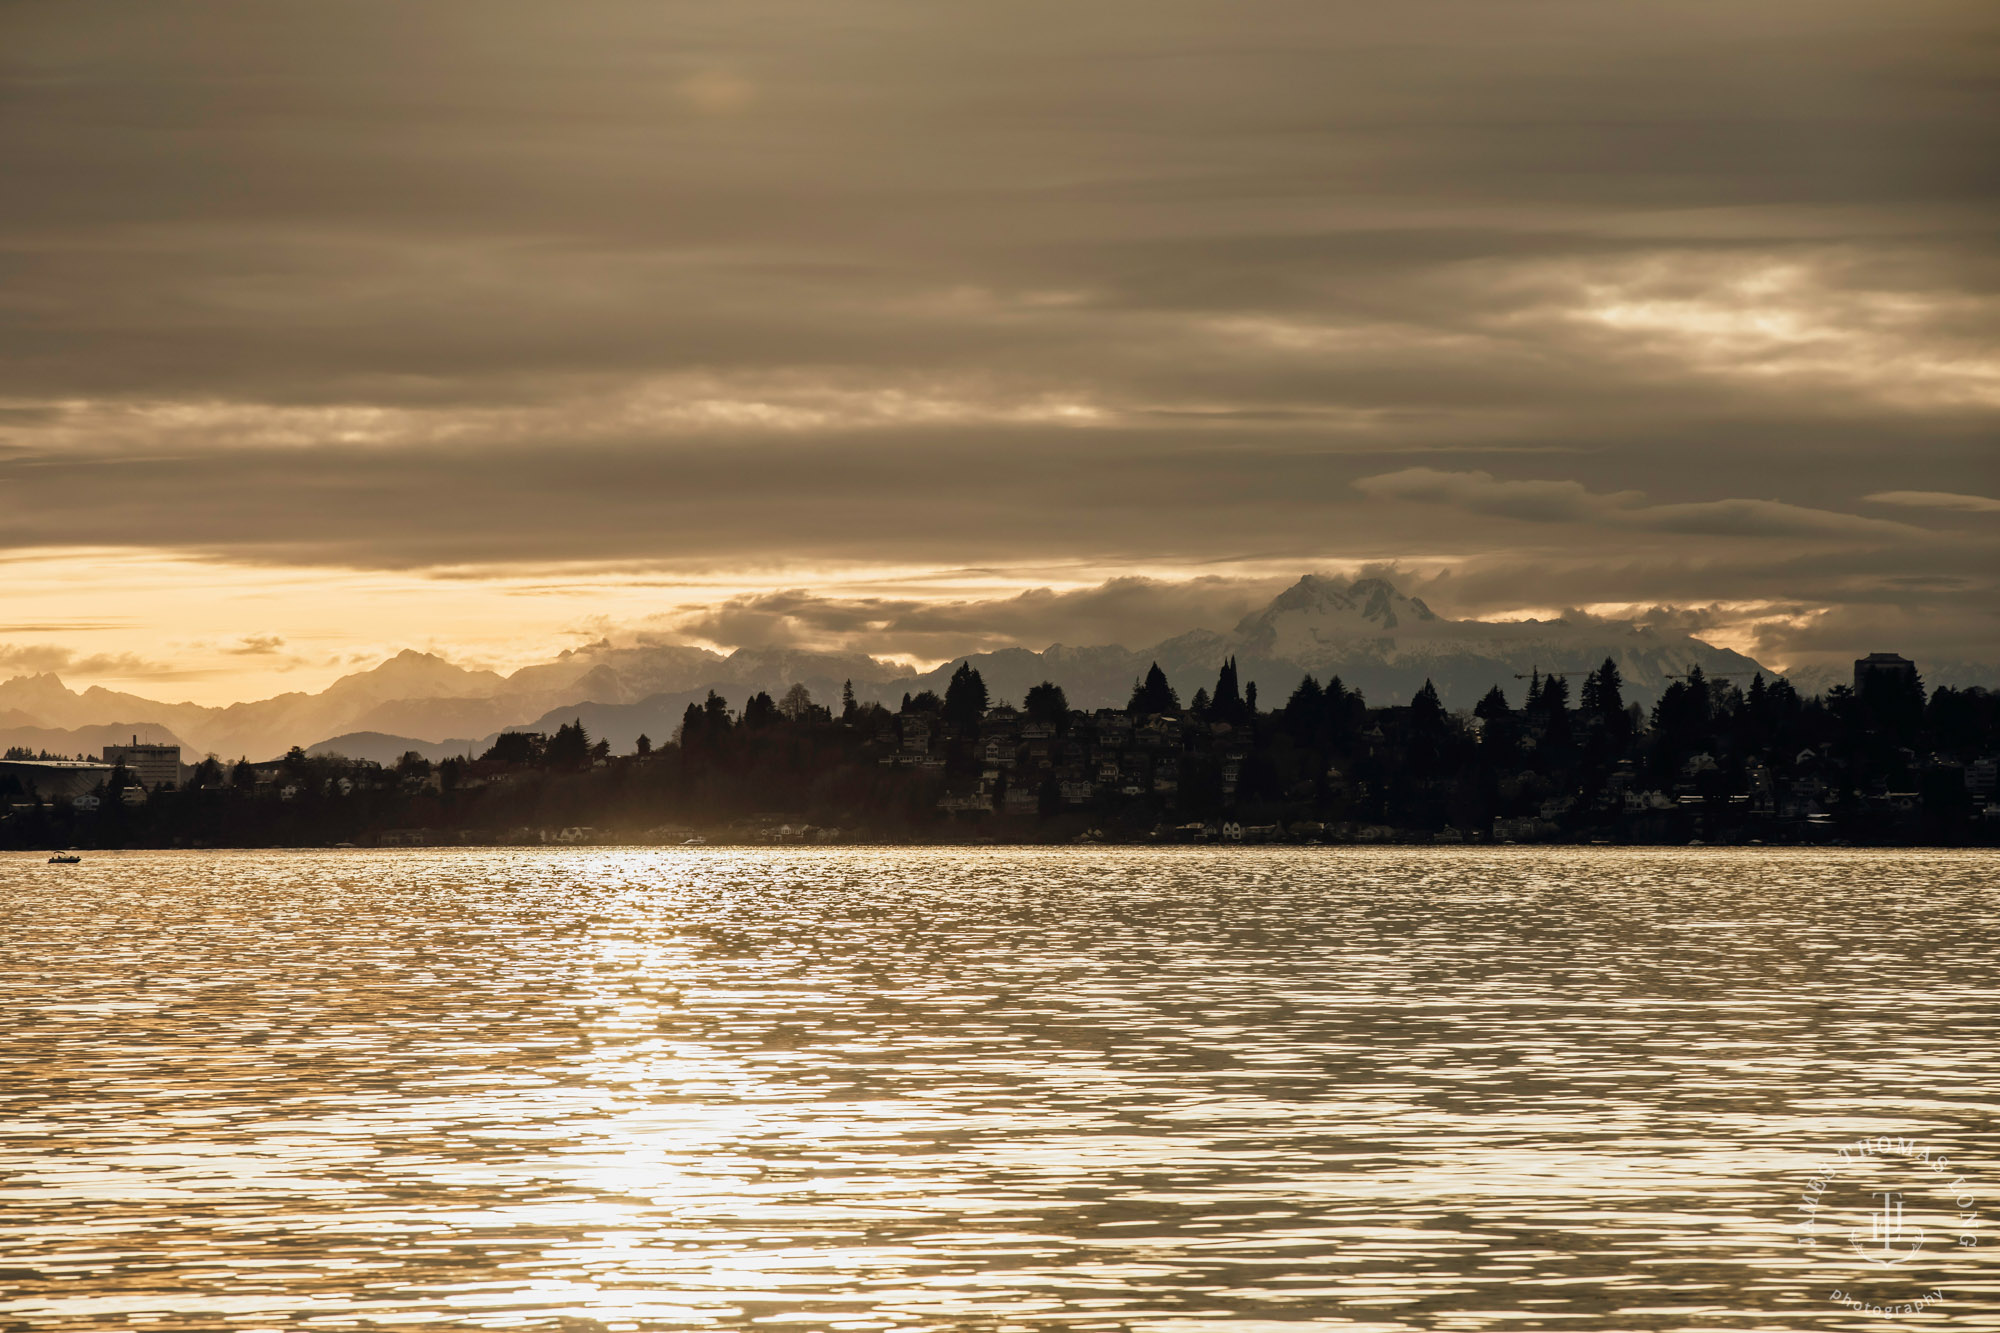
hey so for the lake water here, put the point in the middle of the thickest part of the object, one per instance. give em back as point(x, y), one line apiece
point(1252, 1091)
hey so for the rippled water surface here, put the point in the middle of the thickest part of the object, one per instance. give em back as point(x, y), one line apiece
point(921, 1089)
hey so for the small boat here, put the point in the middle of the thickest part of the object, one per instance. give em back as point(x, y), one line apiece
point(59, 859)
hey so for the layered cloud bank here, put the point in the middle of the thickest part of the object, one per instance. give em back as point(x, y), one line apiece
point(1364, 631)
point(1575, 305)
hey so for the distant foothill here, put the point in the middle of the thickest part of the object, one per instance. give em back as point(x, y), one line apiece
point(1879, 761)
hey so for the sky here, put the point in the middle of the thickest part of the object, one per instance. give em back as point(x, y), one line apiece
point(493, 329)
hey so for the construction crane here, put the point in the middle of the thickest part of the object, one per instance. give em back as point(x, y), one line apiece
point(1706, 675)
point(1551, 675)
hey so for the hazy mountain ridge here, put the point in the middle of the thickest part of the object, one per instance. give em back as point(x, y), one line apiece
point(89, 740)
point(1374, 637)
point(412, 694)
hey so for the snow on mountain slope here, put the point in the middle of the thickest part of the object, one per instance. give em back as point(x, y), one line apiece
point(1374, 637)
point(1367, 631)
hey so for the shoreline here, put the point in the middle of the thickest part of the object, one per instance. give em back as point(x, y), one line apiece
point(1072, 845)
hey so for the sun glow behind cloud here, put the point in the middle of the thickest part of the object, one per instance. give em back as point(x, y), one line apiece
point(764, 327)
point(1755, 318)
point(185, 629)
point(580, 408)
point(214, 633)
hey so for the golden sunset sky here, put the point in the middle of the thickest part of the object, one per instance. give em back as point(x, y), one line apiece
point(493, 329)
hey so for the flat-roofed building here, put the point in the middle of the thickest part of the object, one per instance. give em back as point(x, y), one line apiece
point(153, 765)
point(54, 779)
point(1883, 669)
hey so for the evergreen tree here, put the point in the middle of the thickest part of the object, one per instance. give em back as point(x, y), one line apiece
point(1426, 709)
point(1964, 723)
point(1048, 798)
point(1345, 710)
point(569, 748)
point(1680, 727)
point(1227, 701)
point(848, 708)
point(1603, 704)
point(1429, 732)
point(1700, 705)
point(1155, 695)
point(715, 714)
point(1552, 703)
point(1499, 729)
point(1046, 702)
point(1549, 720)
point(1305, 712)
point(965, 698)
point(519, 748)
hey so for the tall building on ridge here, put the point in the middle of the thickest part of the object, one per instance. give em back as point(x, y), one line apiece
point(153, 765)
point(1878, 669)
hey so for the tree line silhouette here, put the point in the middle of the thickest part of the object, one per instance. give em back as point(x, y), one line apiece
point(1887, 763)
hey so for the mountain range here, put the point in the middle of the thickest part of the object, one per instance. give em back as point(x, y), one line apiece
point(1374, 637)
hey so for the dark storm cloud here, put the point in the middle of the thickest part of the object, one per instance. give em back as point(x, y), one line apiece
point(1567, 502)
point(1162, 283)
point(1127, 611)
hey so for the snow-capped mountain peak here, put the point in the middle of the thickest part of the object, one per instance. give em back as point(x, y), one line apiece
point(1316, 613)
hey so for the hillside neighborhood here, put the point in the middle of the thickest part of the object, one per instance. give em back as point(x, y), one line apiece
point(1880, 760)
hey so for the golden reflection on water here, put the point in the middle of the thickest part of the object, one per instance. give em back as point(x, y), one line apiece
point(938, 1089)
